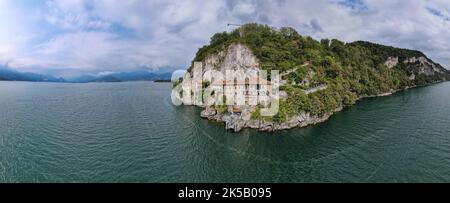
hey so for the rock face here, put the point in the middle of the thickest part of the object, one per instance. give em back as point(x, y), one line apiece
point(391, 62)
point(426, 67)
point(208, 112)
point(237, 56)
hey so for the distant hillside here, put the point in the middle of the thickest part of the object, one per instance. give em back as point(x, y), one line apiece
point(141, 76)
point(123, 77)
point(108, 78)
point(7, 74)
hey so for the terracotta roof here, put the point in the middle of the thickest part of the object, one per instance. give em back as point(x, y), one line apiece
point(237, 110)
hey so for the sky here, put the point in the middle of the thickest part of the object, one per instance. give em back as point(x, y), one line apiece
point(70, 37)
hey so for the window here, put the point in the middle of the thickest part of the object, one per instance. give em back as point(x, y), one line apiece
point(247, 83)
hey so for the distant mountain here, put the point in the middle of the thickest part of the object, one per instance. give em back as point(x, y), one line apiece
point(83, 79)
point(108, 78)
point(123, 77)
point(141, 76)
point(7, 74)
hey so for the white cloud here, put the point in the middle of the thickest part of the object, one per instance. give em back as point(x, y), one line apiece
point(107, 35)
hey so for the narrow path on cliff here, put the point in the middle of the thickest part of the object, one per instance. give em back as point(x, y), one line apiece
point(293, 70)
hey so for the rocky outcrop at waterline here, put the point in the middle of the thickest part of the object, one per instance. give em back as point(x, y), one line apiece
point(317, 80)
point(237, 123)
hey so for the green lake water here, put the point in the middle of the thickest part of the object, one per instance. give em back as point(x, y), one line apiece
point(130, 132)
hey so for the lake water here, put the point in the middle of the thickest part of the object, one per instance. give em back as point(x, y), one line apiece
point(130, 132)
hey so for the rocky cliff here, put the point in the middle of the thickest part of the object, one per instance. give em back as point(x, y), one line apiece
point(318, 78)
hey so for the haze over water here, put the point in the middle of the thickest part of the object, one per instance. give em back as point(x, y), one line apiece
point(130, 132)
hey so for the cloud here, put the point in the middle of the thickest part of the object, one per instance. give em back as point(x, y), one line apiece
point(91, 36)
point(353, 4)
point(313, 26)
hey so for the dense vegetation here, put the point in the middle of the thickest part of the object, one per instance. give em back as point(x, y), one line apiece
point(351, 70)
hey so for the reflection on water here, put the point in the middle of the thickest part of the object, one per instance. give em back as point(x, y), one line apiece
point(130, 132)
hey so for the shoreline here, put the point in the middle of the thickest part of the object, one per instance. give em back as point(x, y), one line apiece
point(299, 121)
